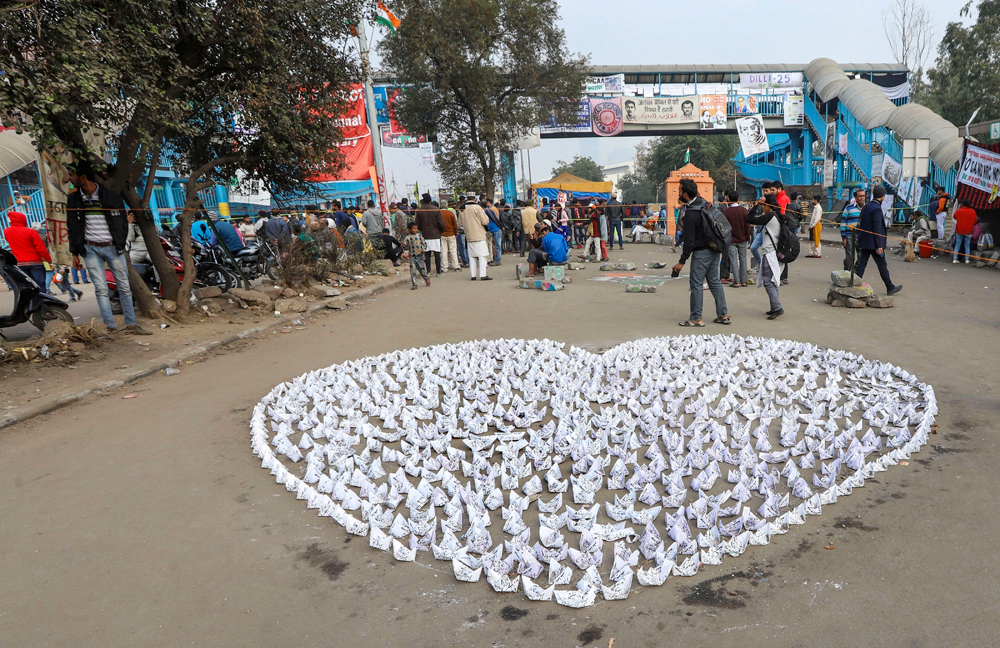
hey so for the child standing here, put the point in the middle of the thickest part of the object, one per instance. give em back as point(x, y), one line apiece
point(416, 246)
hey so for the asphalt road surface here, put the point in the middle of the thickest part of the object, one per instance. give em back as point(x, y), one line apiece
point(148, 522)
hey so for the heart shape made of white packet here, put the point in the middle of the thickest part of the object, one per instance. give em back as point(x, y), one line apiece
point(651, 421)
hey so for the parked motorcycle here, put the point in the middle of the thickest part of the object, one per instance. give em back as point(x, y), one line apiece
point(31, 303)
point(209, 273)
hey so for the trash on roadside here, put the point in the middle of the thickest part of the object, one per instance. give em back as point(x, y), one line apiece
point(172, 372)
point(128, 396)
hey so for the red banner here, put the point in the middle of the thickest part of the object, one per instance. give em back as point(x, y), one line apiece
point(356, 148)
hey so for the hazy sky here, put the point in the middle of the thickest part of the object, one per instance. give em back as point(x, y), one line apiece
point(710, 31)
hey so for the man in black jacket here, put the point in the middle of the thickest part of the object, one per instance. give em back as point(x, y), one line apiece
point(871, 240)
point(615, 213)
point(97, 228)
point(704, 260)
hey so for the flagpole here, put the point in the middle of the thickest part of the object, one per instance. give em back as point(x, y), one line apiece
point(373, 122)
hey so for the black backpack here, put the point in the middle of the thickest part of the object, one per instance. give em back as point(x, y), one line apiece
point(787, 246)
point(718, 230)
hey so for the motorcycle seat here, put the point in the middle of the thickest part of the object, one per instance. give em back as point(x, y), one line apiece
point(247, 251)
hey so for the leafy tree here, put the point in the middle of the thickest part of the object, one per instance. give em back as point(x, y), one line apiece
point(210, 85)
point(581, 167)
point(658, 157)
point(966, 75)
point(477, 74)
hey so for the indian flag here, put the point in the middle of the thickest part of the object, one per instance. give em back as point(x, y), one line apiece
point(386, 17)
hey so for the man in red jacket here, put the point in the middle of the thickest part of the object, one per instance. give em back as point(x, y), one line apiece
point(965, 222)
point(28, 247)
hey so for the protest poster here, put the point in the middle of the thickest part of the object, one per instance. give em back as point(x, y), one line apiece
point(661, 110)
point(606, 116)
point(753, 137)
point(713, 112)
point(830, 154)
point(794, 110)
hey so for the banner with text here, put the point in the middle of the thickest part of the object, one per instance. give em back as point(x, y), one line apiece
point(795, 110)
point(614, 84)
point(661, 110)
point(713, 112)
point(581, 125)
point(980, 169)
point(770, 79)
point(357, 147)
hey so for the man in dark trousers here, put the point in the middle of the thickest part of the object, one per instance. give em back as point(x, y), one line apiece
point(736, 214)
point(390, 246)
point(704, 260)
point(431, 225)
point(871, 240)
point(97, 229)
point(615, 213)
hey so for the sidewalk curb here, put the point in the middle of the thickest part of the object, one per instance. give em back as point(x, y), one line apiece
point(95, 387)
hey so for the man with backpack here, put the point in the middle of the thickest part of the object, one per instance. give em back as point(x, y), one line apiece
point(705, 238)
point(776, 247)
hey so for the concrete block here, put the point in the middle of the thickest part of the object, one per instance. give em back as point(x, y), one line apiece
point(855, 303)
point(323, 291)
point(554, 273)
point(618, 266)
point(548, 286)
point(251, 297)
point(520, 270)
point(566, 280)
point(636, 288)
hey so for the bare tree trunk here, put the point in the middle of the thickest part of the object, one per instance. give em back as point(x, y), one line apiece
point(190, 271)
point(164, 268)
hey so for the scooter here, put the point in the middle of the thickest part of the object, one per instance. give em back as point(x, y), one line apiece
point(30, 302)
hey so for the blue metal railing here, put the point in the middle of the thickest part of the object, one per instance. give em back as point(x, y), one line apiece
point(34, 209)
point(815, 119)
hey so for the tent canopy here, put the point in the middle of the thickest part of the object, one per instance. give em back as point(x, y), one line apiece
point(571, 184)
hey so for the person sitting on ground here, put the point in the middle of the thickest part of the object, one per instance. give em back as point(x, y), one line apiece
point(537, 257)
point(391, 247)
point(200, 231)
point(555, 247)
point(920, 228)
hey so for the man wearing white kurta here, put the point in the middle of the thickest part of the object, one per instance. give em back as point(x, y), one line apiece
point(474, 221)
point(816, 229)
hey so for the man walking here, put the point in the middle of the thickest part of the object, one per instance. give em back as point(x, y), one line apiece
point(848, 222)
point(449, 238)
point(704, 260)
point(95, 222)
point(871, 239)
point(431, 225)
point(815, 229)
point(474, 222)
point(736, 214)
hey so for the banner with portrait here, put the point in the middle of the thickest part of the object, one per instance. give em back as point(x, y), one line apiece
point(745, 105)
point(753, 137)
point(712, 112)
point(661, 110)
point(830, 154)
point(891, 171)
point(357, 148)
point(581, 124)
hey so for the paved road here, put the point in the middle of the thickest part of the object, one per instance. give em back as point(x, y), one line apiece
point(83, 312)
point(148, 522)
